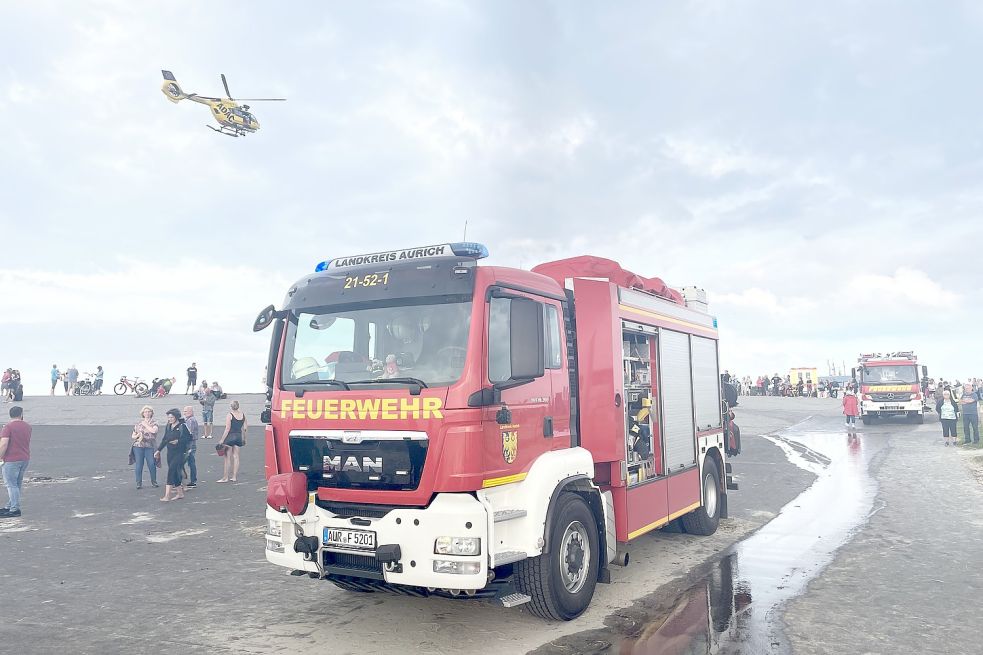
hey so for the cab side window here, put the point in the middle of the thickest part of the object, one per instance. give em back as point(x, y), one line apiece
point(553, 350)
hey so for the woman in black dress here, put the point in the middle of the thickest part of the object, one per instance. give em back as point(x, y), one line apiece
point(233, 439)
point(177, 438)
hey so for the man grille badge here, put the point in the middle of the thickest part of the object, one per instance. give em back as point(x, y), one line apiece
point(351, 437)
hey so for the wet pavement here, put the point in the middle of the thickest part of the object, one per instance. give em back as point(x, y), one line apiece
point(744, 593)
point(735, 604)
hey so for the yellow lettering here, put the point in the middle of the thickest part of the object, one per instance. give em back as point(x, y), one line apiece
point(410, 407)
point(389, 409)
point(300, 408)
point(431, 407)
point(314, 408)
point(347, 409)
point(368, 408)
point(331, 409)
point(285, 407)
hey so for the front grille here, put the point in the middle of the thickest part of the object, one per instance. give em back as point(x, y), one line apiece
point(358, 565)
point(391, 465)
point(348, 510)
point(898, 397)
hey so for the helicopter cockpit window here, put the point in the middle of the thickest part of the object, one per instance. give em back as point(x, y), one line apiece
point(427, 342)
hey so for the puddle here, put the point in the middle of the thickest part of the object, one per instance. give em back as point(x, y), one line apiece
point(737, 607)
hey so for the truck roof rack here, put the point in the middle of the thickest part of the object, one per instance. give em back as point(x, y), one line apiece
point(588, 266)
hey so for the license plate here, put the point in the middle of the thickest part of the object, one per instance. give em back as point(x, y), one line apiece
point(349, 539)
point(891, 407)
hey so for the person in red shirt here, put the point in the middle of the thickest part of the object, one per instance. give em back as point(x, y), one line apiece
point(15, 452)
point(851, 407)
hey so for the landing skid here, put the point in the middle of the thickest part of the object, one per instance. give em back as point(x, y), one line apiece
point(226, 132)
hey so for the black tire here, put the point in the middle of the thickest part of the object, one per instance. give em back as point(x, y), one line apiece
point(866, 419)
point(916, 417)
point(701, 521)
point(120, 389)
point(541, 577)
point(141, 389)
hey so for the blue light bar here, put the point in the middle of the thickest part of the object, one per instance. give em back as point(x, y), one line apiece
point(469, 249)
point(323, 266)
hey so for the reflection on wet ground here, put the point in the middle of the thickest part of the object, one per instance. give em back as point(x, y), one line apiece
point(737, 607)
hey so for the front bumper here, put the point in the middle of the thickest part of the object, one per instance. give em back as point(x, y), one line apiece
point(887, 408)
point(414, 530)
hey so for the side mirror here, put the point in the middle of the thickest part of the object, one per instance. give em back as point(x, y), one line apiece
point(853, 373)
point(924, 371)
point(265, 319)
point(527, 340)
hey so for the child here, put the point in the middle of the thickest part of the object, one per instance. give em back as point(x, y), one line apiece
point(851, 408)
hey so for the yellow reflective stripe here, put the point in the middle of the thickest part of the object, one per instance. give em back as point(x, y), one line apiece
point(629, 308)
point(494, 482)
point(660, 522)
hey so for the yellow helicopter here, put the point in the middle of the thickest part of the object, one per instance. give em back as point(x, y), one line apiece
point(235, 119)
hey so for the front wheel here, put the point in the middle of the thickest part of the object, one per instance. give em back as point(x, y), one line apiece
point(704, 520)
point(561, 581)
point(120, 389)
point(141, 389)
point(866, 419)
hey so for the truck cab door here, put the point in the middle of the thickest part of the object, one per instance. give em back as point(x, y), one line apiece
point(514, 421)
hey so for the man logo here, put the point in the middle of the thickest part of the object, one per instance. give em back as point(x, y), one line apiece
point(510, 445)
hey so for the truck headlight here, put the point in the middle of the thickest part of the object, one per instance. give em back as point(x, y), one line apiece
point(457, 546)
point(274, 528)
point(456, 566)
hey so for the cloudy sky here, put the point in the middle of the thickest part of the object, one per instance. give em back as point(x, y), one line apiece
point(815, 167)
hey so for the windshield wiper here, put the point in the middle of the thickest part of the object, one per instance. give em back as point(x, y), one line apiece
point(404, 380)
point(340, 383)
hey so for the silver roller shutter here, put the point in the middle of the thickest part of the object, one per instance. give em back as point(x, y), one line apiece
point(677, 399)
point(706, 383)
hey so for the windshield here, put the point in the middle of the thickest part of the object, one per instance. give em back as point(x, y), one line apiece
point(426, 341)
point(890, 374)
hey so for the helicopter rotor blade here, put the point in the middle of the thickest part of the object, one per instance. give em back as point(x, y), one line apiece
point(228, 94)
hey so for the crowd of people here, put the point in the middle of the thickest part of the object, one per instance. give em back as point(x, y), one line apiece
point(181, 433)
point(71, 381)
point(777, 385)
point(957, 400)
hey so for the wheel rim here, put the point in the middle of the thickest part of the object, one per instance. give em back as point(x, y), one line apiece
point(575, 557)
point(709, 495)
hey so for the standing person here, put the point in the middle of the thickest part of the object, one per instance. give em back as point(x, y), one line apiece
point(948, 411)
point(144, 445)
point(234, 439)
point(55, 376)
point(72, 376)
point(207, 400)
point(192, 378)
point(177, 439)
point(15, 452)
point(851, 408)
point(776, 384)
point(97, 385)
point(195, 430)
point(969, 404)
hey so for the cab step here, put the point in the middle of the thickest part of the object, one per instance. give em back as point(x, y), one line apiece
point(515, 599)
point(509, 514)
point(504, 557)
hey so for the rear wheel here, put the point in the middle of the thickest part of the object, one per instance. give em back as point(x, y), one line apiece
point(120, 389)
point(141, 389)
point(704, 521)
point(561, 581)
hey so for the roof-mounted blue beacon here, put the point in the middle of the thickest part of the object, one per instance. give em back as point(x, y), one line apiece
point(468, 249)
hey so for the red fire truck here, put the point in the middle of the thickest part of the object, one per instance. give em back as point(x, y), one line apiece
point(440, 427)
point(890, 386)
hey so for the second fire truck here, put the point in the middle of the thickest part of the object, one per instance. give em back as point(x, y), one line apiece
point(890, 385)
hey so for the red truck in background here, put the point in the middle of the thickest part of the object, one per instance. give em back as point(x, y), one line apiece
point(436, 426)
point(890, 385)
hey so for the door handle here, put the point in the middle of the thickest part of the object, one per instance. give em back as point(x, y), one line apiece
point(548, 426)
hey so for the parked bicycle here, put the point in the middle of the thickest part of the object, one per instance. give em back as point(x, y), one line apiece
point(86, 386)
point(136, 385)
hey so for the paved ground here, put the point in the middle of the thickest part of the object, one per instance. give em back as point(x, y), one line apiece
point(99, 567)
